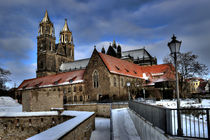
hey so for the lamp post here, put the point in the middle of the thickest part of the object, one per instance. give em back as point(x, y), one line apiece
point(128, 85)
point(174, 47)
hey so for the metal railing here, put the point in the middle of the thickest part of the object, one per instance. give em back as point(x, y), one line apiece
point(195, 122)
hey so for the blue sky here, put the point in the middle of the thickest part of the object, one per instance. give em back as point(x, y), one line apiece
point(133, 24)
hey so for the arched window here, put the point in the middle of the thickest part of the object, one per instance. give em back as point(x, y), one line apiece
point(95, 79)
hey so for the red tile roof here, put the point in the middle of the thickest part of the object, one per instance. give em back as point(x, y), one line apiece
point(53, 80)
point(155, 73)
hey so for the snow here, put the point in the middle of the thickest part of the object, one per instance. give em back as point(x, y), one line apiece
point(60, 130)
point(27, 114)
point(205, 103)
point(7, 104)
point(102, 131)
point(123, 127)
point(7, 101)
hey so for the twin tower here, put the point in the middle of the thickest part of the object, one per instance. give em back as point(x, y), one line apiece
point(50, 55)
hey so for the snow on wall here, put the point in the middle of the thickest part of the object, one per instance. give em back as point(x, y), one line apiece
point(60, 130)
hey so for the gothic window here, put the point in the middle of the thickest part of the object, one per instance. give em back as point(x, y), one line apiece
point(80, 98)
point(75, 98)
point(122, 82)
point(95, 79)
point(74, 88)
point(115, 82)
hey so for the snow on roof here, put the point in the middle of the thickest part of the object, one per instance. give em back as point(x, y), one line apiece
point(53, 80)
point(123, 67)
point(138, 53)
point(60, 130)
point(27, 114)
point(8, 101)
point(78, 64)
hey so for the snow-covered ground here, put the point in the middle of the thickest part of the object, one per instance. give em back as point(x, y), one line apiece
point(102, 131)
point(7, 104)
point(205, 103)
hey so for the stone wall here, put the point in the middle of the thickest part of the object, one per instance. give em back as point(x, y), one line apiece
point(43, 99)
point(101, 110)
point(24, 127)
point(82, 131)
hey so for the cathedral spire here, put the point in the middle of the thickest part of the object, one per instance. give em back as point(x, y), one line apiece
point(46, 17)
point(65, 27)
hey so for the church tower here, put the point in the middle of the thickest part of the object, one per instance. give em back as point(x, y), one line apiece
point(65, 48)
point(46, 48)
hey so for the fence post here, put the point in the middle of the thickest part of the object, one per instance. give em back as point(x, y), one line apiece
point(208, 125)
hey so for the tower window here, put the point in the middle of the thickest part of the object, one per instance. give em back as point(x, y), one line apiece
point(95, 79)
point(66, 38)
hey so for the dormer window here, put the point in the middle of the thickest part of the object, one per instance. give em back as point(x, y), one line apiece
point(25, 86)
point(135, 72)
point(127, 70)
point(117, 67)
point(72, 79)
point(57, 81)
point(37, 85)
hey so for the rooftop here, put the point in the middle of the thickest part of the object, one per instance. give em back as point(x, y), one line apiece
point(53, 80)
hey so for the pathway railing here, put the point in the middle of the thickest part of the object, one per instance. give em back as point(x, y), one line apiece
point(195, 123)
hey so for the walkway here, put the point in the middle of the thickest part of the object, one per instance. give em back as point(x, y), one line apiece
point(102, 131)
point(123, 127)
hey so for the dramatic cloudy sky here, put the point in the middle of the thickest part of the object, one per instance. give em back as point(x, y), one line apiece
point(132, 23)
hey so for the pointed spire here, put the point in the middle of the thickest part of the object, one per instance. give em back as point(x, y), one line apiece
point(46, 17)
point(114, 43)
point(65, 27)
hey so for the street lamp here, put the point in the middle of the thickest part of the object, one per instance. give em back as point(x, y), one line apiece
point(128, 85)
point(174, 47)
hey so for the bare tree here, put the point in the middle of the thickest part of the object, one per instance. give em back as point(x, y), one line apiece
point(188, 65)
point(4, 78)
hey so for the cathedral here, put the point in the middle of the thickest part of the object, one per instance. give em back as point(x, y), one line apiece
point(49, 54)
point(102, 77)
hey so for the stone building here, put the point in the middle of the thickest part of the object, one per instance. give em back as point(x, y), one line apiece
point(102, 77)
point(49, 54)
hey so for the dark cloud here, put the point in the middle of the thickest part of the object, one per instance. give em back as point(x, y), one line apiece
point(135, 23)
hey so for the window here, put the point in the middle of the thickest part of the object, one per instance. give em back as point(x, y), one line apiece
point(80, 98)
point(41, 65)
point(75, 98)
point(122, 82)
point(115, 82)
point(69, 89)
point(66, 38)
point(95, 79)
point(74, 88)
point(80, 88)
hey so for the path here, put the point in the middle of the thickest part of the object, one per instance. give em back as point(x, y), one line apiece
point(102, 131)
point(123, 127)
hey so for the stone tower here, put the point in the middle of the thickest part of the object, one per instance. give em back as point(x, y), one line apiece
point(46, 48)
point(65, 48)
point(50, 56)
